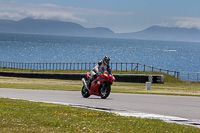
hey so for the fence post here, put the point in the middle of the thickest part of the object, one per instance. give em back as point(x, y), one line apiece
point(144, 67)
point(137, 66)
point(116, 66)
point(178, 75)
point(174, 73)
point(131, 66)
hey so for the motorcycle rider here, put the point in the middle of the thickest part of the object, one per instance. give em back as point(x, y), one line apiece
point(100, 67)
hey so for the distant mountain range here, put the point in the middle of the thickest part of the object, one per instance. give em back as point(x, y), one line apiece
point(51, 27)
point(165, 33)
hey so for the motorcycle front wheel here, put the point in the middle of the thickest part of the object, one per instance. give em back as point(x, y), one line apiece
point(85, 92)
point(105, 90)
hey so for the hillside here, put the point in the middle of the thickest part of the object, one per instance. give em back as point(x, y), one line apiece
point(165, 33)
point(52, 27)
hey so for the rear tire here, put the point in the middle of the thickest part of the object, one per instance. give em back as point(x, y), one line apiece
point(105, 90)
point(84, 92)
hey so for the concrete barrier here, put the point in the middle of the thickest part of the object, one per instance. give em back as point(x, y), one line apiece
point(134, 78)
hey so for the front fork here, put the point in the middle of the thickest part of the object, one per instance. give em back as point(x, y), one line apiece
point(85, 84)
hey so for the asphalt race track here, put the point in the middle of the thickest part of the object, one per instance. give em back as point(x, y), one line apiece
point(185, 108)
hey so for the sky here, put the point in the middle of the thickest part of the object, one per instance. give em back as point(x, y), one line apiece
point(121, 16)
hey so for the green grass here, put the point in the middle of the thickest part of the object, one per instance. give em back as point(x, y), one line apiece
point(25, 116)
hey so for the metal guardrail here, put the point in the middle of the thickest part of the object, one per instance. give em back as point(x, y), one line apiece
point(134, 78)
point(187, 76)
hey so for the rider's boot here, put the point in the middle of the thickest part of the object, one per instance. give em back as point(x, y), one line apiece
point(90, 80)
point(89, 84)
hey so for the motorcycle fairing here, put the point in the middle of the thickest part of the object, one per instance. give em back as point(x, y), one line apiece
point(94, 89)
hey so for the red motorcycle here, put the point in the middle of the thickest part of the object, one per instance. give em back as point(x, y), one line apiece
point(101, 86)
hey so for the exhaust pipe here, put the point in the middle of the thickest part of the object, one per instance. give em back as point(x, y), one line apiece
point(85, 84)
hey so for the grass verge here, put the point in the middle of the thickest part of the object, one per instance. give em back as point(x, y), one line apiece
point(25, 116)
point(172, 85)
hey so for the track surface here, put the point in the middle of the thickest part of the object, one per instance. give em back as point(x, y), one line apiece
point(179, 106)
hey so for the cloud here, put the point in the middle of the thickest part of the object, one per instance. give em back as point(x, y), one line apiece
point(43, 11)
point(163, 24)
point(17, 11)
point(187, 22)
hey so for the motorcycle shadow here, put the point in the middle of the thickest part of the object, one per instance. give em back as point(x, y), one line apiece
point(100, 98)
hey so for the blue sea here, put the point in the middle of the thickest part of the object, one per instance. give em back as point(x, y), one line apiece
point(168, 55)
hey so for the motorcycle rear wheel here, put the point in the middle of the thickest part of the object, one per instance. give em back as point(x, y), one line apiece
point(85, 92)
point(105, 90)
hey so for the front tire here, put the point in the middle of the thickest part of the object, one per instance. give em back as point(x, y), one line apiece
point(105, 90)
point(85, 93)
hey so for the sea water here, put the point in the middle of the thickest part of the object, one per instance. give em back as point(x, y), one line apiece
point(168, 55)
